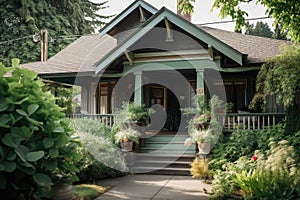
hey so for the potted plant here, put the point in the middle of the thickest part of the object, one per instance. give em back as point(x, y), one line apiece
point(204, 140)
point(126, 137)
point(133, 116)
point(62, 188)
point(139, 114)
point(202, 122)
point(204, 128)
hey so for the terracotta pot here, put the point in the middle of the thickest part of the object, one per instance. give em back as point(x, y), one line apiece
point(62, 191)
point(127, 146)
point(204, 148)
point(203, 126)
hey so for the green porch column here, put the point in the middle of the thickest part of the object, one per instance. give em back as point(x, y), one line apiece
point(138, 88)
point(200, 81)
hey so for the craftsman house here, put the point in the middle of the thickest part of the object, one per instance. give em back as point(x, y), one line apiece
point(158, 57)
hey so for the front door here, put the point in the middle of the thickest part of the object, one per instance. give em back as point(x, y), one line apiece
point(170, 112)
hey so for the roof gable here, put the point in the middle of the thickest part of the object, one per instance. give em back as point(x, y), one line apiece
point(136, 5)
point(162, 14)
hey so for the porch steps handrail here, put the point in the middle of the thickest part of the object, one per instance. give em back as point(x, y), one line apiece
point(107, 119)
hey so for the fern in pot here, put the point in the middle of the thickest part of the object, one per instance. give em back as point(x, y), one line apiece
point(126, 137)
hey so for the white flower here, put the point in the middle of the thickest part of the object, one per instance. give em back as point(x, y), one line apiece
point(188, 142)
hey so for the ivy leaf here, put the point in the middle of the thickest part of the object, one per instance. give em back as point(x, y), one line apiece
point(9, 140)
point(3, 104)
point(48, 142)
point(34, 156)
point(42, 179)
point(22, 152)
point(32, 108)
point(10, 166)
point(22, 112)
point(21, 101)
point(11, 156)
point(53, 152)
point(4, 119)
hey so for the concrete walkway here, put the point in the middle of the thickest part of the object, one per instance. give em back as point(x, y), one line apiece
point(156, 187)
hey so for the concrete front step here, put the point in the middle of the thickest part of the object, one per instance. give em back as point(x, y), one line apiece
point(167, 139)
point(165, 170)
point(159, 145)
point(167, 151)
point(162, 154)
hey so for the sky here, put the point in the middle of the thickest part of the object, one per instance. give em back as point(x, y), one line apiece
point(201, 14)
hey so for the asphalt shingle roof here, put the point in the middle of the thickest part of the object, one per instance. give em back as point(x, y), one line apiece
point(83, 54)
point(79, 56)
point(258, 49)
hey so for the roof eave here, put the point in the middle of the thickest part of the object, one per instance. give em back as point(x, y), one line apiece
point(125, 13)
point(182, 23)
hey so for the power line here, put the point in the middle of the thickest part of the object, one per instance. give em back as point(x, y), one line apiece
point(230, 21)
point(7, 41)
point(68, 37)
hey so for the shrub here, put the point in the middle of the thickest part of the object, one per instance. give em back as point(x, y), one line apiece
point(199, 168)
point(35, 141)
point(223, 186)
point(244, 143)
point(275, 177)
point(94, 127)
point(101, 158)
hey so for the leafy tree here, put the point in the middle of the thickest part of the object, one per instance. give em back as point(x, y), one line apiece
point(286, 13)
point(261, 29)
point(20, 20)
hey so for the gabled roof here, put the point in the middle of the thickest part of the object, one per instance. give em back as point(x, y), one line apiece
point(125, 13)
point(95, 50)
point(258, 49)
point(180, 22)
point(79, 56)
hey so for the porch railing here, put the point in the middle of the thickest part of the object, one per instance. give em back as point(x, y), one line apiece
point(107, 119)
point(250, 121)
point(230, 121)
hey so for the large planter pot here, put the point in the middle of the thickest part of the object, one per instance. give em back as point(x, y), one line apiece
point(202, 126)
point(204, 148)
point(127, 146)
point(62, 191)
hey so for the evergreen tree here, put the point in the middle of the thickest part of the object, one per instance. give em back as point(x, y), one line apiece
point(261, 29)
point(21, 19)
point(279, 33)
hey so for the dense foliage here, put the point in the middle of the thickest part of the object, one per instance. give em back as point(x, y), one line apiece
point(285, 13)
point(20, 20)
point(280, 76)
point(244, 143)
point(256, 164)
point(36, 148)
point(101, 158)
point(270, 175)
